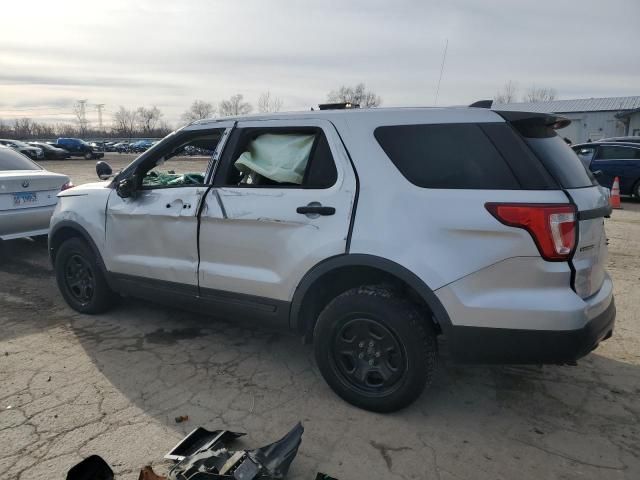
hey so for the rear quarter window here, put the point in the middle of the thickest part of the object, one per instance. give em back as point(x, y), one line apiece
point(456, 156)
point(563, 163)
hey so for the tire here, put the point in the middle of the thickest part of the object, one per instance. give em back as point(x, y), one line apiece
point(374, 349)
point(636, 191)
point(88, 156)
point(80, 278)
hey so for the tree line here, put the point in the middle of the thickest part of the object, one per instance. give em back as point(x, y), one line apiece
point(509, 93)
point(150, 122)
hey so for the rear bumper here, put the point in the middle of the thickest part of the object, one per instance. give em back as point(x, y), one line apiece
point(503, 345)
point(25, 222)
point(522, 310)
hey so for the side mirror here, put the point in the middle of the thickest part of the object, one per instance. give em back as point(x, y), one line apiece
point(127, 187)
point(104, 170)
point(598, 173)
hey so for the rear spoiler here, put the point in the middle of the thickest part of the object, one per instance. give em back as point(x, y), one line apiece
point(530, 119)
point(539, 119)
point(534, 125)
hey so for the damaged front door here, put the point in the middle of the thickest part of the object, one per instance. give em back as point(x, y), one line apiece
point(281, 203)
point(152, 234)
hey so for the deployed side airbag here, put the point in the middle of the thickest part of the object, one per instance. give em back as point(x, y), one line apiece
point(281, 158)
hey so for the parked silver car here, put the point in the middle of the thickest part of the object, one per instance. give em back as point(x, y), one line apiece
point(370, 232)
point(27, 195)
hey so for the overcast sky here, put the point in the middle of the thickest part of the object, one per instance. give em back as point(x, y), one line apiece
point(168, 53)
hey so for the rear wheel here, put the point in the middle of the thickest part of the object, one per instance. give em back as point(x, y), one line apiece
point(80, 278)
point(636, 190)
point(374, 350)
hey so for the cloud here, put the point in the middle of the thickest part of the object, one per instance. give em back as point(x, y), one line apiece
point(169, 53)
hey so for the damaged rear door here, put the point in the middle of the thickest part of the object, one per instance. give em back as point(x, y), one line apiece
point(281, 202)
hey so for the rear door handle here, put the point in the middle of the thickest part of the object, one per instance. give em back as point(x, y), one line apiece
point(315, 210)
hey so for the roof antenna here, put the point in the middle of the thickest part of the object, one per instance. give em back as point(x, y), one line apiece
point(444, 57)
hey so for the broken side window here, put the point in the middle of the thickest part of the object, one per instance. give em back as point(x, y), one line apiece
point(184, 165)
point(283, 159)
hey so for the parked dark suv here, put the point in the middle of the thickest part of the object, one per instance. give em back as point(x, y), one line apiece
point(78, 148)
point(613, 159)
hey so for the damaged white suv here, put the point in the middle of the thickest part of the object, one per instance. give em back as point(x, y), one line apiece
point(370, 232)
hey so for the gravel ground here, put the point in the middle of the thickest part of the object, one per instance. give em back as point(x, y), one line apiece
point(74, 385)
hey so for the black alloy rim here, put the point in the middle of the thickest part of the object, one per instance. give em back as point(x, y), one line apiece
point(79, 277)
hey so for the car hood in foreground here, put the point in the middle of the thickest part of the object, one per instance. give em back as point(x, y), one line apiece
point(85, 189)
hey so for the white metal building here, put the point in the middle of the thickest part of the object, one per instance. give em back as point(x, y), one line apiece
point(591, 118)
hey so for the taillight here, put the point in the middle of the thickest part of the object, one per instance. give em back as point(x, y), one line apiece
point(67, 186)
point(552, 226)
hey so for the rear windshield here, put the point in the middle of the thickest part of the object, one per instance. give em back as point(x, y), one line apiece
point(12, 160)
point(561, 161)
point(446, 156)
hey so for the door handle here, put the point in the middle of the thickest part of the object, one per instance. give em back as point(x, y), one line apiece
point(315, 210)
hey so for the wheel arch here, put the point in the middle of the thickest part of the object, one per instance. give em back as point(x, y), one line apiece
point(338, 274)
point(65, 230)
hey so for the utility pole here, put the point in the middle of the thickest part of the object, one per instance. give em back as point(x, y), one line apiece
point(100, 107)
point(80, 110)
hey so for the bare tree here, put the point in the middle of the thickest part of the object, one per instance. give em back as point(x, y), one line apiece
point(540, 94)
point(199, 110)
point(267, 103)
point(148, 118)
point(234, 106)
point(507, 94)
point(357, 95)
point(125, 121)
point(22, 128)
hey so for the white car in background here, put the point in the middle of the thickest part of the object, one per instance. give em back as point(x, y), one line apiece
point(27, 195)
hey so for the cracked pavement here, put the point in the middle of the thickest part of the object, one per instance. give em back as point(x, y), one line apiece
point(73, 385)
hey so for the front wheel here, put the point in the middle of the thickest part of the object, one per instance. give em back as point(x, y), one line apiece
point(374, 349)
point(80, 278)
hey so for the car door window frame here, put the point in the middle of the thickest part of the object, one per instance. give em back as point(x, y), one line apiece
point(141, 170)
point(236, 144)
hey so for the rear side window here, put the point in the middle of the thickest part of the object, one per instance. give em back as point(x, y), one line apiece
point(12, 160)
point(282, 157)
point(561, 161)
point(446, 156)
point(618, 153)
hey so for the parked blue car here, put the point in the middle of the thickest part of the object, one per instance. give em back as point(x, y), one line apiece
point(613, 159)
point(77, 147)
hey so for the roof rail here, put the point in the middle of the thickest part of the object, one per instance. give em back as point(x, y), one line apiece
point(482, 104)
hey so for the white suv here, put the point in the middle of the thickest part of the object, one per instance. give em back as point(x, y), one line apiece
point(369, 232)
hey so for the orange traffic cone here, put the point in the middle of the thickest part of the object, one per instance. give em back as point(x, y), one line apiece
point(614, 199)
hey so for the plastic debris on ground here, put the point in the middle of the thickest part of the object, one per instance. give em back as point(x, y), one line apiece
point(214, 461)
point(204, 455)
point(182, 418)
